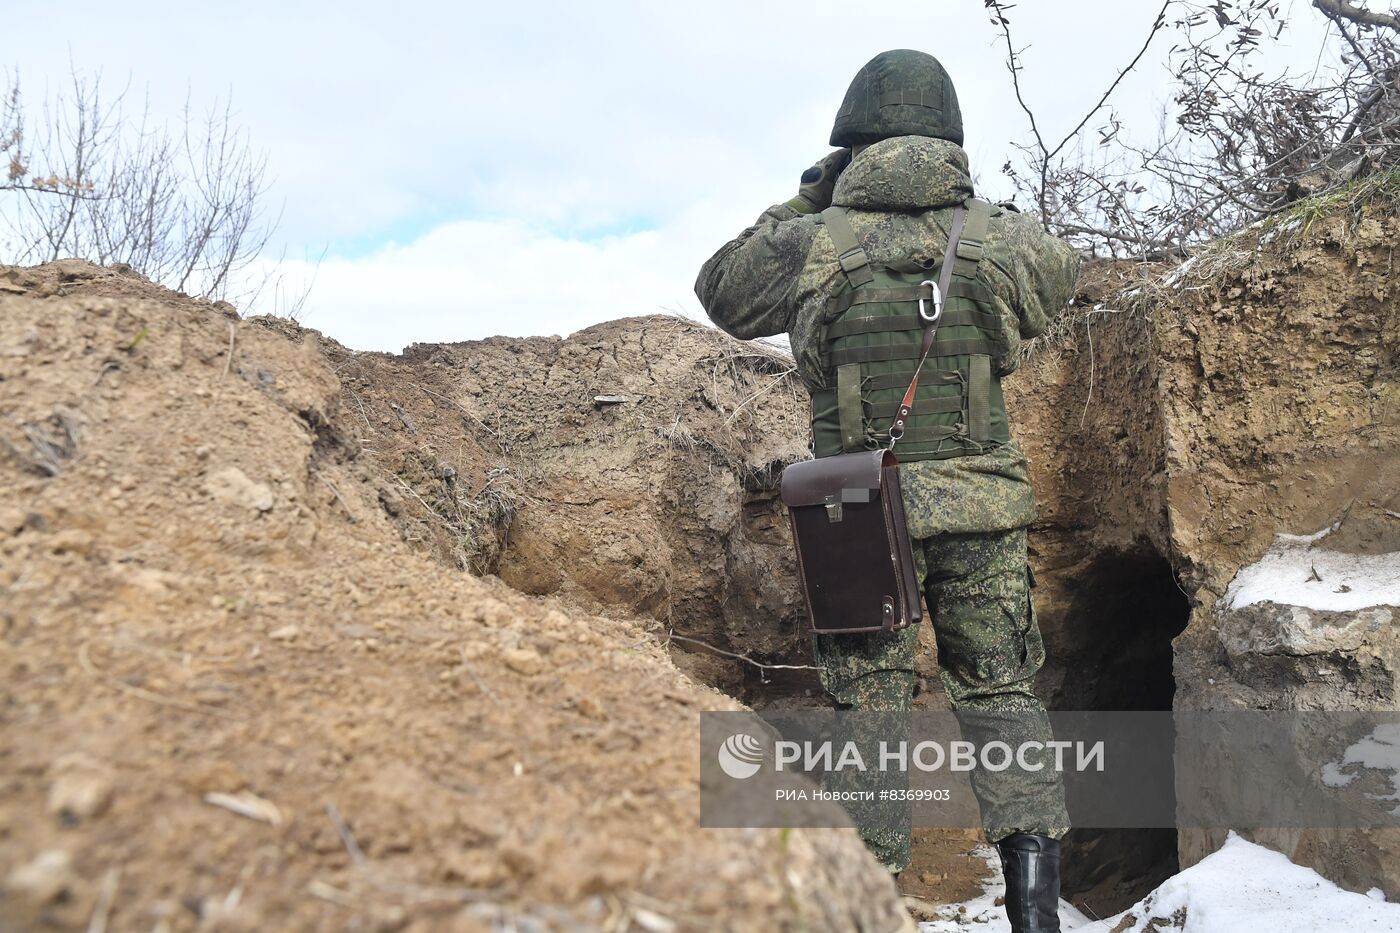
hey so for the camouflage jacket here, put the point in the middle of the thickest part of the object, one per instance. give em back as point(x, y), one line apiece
point(776, 276)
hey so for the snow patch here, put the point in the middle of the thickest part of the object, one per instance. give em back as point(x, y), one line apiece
point(1278, 230)
point(1242, 888)
point(1295, 572)
point(1380, 750)
point(1177, 274)
point(1245, 888)
point(1313, 538)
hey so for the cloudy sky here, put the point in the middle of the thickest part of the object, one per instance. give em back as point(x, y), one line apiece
point(520, 168)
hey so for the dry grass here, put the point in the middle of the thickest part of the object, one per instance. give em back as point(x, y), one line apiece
point(476, 521)
point(51, 443)
point(752, 370)
point(1143, 287)
point(1105, 288)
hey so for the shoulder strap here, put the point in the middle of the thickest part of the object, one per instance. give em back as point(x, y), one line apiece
point(970, 246)
point(854, 262)
point(979, 372)
point(951, 256)
point(957, 232)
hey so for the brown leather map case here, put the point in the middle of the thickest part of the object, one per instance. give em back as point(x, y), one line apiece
point(853, 553)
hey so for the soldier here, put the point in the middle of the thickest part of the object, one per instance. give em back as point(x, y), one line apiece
point(882, 208)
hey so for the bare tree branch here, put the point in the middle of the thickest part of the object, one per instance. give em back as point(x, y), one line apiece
point(186, 209)
point(1358, 15)
point(1013, 64)
point(998, 9)
point(1239, 143)
point(1157, 25)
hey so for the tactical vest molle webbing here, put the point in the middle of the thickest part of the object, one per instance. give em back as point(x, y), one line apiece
point(871, 345)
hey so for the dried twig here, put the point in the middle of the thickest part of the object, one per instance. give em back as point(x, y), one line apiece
point(106, 895)
point(228, 363)
point(336, 492)
point(407, 889)
point(672, 636)
point(1089, 334)
point(361, 405)
point(460, 407)
point(760, 393)
point(347, 838)
point(433, 513)
point(85, 662)
point(1157, 25)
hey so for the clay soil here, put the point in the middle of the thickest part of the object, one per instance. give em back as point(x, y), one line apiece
point(233, 696)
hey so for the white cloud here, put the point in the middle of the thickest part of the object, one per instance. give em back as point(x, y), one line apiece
point(470, 279)
point(464, 131)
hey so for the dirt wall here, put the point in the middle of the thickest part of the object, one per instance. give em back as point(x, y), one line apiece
point(1179, 421)
point(632, 467)
point(1281, 384)
point(234, 698)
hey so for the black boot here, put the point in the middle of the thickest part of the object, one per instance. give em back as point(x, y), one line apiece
point(1032, 868)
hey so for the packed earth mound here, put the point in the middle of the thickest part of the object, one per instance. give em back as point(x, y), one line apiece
point(235, 698)
point(632, 467)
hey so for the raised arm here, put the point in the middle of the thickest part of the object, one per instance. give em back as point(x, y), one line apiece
point(1038, 272)
point(748, 287)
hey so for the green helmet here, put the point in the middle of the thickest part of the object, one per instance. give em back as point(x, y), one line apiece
point(899, 93)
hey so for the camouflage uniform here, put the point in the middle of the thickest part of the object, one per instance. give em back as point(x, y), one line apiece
point(978, 589)
point(967, 515)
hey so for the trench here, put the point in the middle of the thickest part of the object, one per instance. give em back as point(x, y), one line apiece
point(1114, 615)
point(1124, 610)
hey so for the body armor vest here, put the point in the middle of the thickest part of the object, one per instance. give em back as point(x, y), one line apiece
point(870, 347)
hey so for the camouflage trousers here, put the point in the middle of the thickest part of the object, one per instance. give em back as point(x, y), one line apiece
point(977, 588)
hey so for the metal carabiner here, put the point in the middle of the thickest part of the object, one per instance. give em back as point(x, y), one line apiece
point(937, 302)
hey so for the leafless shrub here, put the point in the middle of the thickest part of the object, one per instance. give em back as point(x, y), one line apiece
point(1240, 143)
point(95, 178)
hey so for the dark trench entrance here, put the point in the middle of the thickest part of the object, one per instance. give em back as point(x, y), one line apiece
point(1124, 611)
point(1120, 612)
